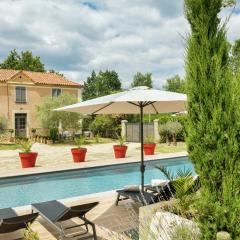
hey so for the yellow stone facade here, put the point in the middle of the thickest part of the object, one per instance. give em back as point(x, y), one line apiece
point(35, 94)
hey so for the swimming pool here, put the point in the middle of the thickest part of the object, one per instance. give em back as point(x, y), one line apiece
point(24, 190)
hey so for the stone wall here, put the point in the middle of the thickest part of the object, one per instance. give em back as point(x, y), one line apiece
point(5, 137)
point(156, 224)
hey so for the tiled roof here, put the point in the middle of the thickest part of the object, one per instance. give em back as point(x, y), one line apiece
point(38, 77)
point(7, 74)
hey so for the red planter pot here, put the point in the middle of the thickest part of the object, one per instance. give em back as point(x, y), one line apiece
point(79, 154)
point(120, 151)
point(149, 148)
point(28, 160)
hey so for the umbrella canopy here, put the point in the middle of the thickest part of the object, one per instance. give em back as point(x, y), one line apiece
point(128, 102)
point(139, 100)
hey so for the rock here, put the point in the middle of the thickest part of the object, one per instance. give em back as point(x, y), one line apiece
point(223, 236)
point(168, 226)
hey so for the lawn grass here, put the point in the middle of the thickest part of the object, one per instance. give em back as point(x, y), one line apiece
point(98, 140)
point(8, 146)
point(165, 148)
point(88, 141)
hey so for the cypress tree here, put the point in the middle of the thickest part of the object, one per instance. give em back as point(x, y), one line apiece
point(213, 125)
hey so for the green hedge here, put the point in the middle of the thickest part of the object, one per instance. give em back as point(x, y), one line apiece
point(106, 126)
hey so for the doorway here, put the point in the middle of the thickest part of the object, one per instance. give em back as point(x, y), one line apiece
point(20, 124)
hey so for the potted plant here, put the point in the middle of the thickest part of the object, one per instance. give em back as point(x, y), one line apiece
point(33, 130)
point(28, 158)
point(120, 149)
point(79, 153)
point(11, 135)
point(149, 146)
point(49, 141)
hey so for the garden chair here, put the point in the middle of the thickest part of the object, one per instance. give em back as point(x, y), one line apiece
point(55, 213)
point(11, 222)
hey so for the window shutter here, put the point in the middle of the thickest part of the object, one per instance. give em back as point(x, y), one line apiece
point(21, 94)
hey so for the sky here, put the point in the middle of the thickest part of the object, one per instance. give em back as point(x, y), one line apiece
point(75, 37)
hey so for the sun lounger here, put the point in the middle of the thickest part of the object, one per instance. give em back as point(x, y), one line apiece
point(55, 213)
point(167, 191)
point(10, 221)
point(144, 198)
point(164, 193)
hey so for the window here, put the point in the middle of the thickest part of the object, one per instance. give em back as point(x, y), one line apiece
point(56, 92)
point(21, 95)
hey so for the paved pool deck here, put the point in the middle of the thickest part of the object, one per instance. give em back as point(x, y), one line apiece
point(57, 158)
point(110, 220)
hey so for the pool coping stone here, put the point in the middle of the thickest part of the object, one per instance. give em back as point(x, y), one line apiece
point(97, 164)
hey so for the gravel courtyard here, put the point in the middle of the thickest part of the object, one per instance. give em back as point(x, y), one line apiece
point(57, 157)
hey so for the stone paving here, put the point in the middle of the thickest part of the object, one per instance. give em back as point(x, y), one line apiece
point(110, 220)
point(55, 157)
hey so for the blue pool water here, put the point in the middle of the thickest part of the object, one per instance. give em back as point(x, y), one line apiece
point(24, 190)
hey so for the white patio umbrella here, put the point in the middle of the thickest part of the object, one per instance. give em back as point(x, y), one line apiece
point(139, 100)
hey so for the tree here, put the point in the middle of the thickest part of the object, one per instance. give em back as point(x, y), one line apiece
point(110, 81)
point(236, 58)
point(56, 72)
point(51, 119)
point(213, 119)
point(106, 126)
point(141, 79)
point(11, 62)
point(23, 61)
point(101, 84)
point(175, 84)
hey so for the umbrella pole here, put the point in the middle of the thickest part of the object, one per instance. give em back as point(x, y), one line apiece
point(142, 168)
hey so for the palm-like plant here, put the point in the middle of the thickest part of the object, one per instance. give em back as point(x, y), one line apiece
point(149, 139)
point(79, 141)
point(121, 140)
point(184, 189)
point(25, 145)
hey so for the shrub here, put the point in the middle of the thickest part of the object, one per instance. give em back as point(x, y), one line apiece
point(53, 134)
point(105, 126)
point(33, 130)
point(169, 132)
point(184, 233)
point(29, 234)
point(164, 134)
point(165, 118)
point(86, 122)
point(97, 138)
point(174, 128)
point(3, 123)
point(11, 131)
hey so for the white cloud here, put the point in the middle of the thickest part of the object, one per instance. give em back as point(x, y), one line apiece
point(234, 27)
point(77, 36)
